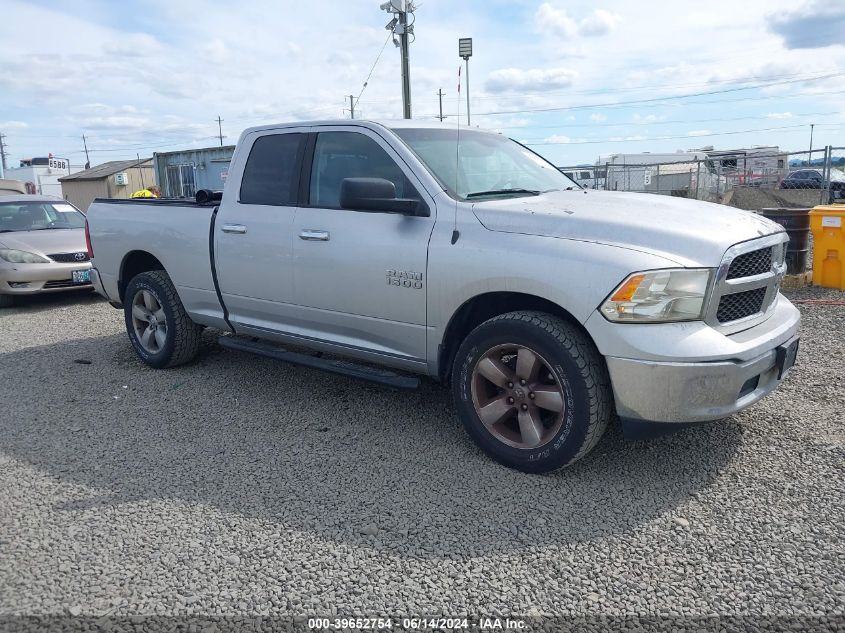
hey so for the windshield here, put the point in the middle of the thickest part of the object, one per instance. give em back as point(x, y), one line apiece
point(484, 166)
point(39, 216)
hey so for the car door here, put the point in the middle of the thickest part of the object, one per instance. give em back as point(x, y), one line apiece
point(253, 233)
point(360, 276)
point(815, 180)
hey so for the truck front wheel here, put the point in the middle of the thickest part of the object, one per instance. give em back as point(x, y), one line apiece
point(161, 332)
point(532, 391)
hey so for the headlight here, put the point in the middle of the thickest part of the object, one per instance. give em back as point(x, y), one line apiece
point(22, 257)
point(659, 296)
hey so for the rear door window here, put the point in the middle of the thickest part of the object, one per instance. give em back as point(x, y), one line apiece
point(271, 175)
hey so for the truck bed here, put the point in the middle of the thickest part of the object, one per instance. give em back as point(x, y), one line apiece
point(175, 232)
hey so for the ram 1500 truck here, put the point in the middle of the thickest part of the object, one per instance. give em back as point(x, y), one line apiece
point(467, 257)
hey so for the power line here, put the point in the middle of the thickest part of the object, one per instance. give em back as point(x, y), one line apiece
point(568, 92)
point(668, 138)
point(650, 123)
point(660, 99)
point(372, 70)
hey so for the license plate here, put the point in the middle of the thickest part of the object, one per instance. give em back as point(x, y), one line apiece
point(81, 276)
point(785, 357)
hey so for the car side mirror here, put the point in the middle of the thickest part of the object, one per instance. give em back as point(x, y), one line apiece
point(377, 195)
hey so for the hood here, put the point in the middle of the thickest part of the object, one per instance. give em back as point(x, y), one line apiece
point(688, 232)
point(46, 241)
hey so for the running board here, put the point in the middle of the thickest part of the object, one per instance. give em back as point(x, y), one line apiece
point(345, 368)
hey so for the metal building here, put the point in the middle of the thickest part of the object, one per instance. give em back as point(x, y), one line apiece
point(181, 173)
point(115, 179)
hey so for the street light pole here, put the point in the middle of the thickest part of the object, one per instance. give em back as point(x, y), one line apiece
point(465, 51)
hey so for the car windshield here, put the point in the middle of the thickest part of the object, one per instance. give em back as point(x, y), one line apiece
point(39, 216)
point(484, 166)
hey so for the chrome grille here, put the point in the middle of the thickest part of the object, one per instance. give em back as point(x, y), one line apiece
point(740, 305)
point(70, 258)
point(746, 284)
point(750, 264)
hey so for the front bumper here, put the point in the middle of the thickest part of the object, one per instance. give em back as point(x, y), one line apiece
point(712, 375)
point(25, 279)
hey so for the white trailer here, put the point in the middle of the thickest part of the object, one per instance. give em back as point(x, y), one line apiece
point(41, 175)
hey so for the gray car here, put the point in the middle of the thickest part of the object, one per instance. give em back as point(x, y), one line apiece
point(42, 247)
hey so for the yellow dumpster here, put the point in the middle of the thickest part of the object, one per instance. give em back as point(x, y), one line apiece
point(828, 245)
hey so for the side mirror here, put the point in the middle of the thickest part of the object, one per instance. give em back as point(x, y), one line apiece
point(377, 195)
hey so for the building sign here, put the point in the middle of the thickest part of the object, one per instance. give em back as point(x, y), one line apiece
point(60, 164)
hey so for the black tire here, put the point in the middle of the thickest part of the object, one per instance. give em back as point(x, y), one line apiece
point(578, 368)
point(7, 301)
point(182, 339)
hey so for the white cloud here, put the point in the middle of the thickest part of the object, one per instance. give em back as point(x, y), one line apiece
point(133, 45)
point(13, 125)
point(559, 23)
point(779, 115)
point(637, 137)
point(647, 118)
point(814, 24)
point(599, 22)
point(215, 51)
point(598, 118)
point(532, 79)
point(698, 132)
point(556, 21)
point(557, 138)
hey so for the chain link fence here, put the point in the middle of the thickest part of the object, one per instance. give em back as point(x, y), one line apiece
point(773, 176)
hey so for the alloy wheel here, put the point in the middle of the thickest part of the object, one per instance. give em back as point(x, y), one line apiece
point(149, 321)
point(517, 396)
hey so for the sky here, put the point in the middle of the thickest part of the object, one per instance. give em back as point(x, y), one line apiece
point(576, 80)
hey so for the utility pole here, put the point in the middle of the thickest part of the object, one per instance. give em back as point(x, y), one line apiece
point(87, 160)
point(220, 129)
point(399, 26)
point(2, 155)
point(810, 161)
point(140, 171)
point(440, 99)
point(406, 65)
point(351, 106)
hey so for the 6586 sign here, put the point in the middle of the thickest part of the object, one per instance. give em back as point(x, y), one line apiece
point(58, 163)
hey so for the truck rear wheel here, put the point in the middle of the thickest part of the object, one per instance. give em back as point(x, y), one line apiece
point(161, 332)
point(532, 391)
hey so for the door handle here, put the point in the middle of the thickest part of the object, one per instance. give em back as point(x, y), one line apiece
point(313, 235)
point(234, 228)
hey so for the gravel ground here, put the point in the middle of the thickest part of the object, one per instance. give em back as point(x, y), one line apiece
point(237, 485)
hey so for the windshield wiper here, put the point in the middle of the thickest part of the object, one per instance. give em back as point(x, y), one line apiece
point(496, 192)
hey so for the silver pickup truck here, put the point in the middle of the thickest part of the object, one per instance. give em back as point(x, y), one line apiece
point(464, 256)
